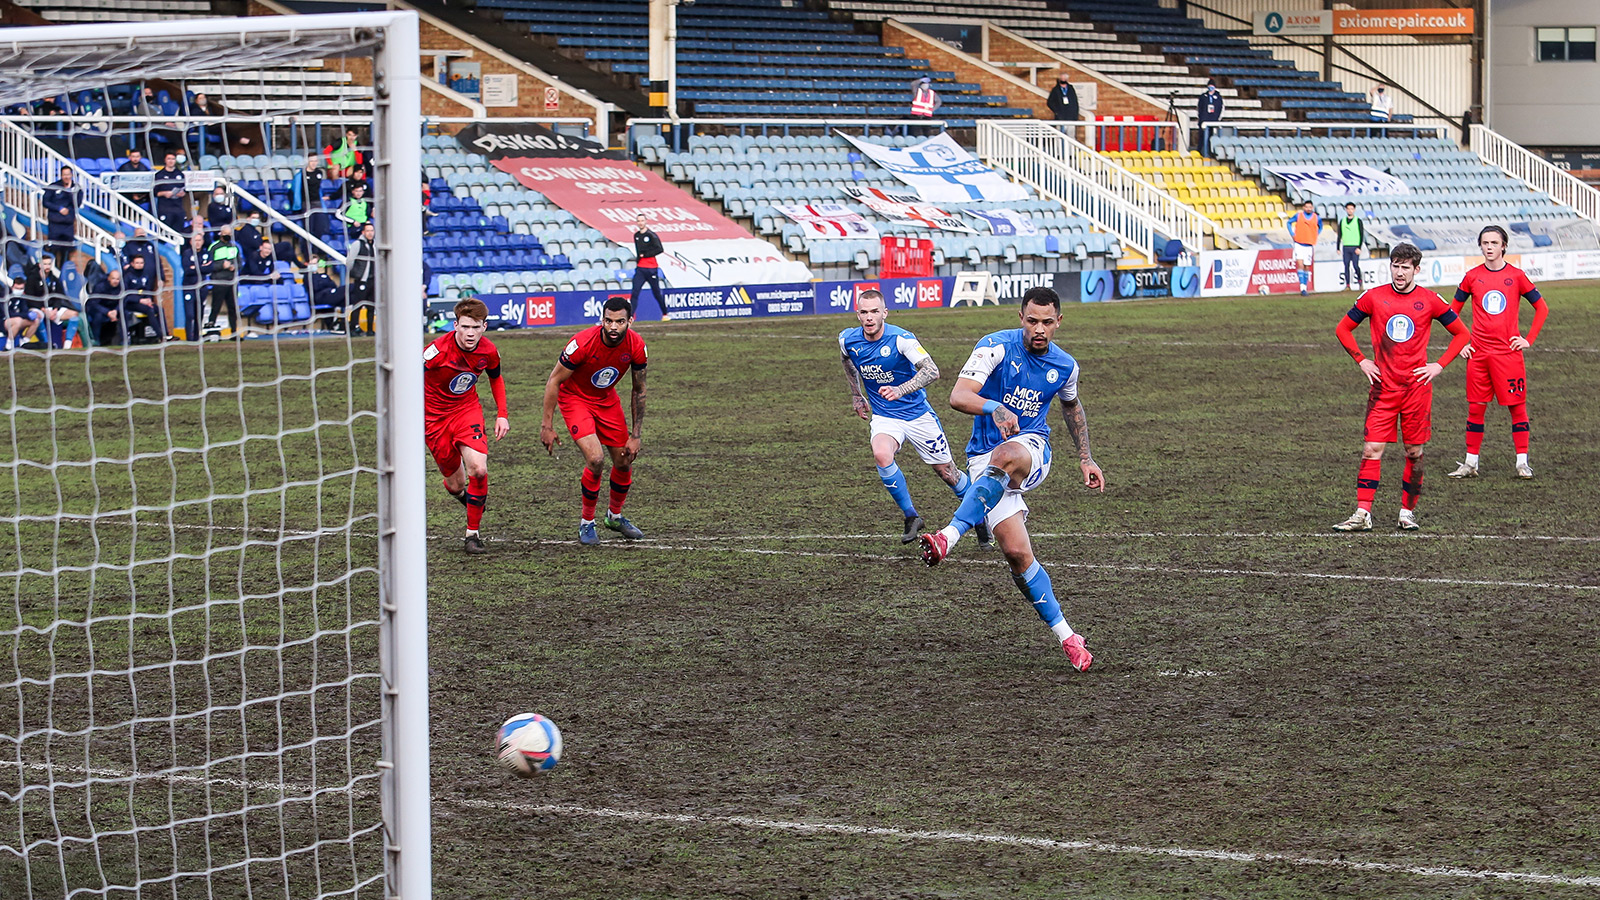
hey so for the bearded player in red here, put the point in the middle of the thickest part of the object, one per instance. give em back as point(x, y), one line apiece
point(1495, 369)
point(453, 414)
point(584, 385)
point(1400, 382)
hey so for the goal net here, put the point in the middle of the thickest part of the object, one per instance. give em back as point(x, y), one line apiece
point(212, 560)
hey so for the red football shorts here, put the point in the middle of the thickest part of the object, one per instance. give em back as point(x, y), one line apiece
point(1407, 413)
point(1501, 377)
point(447, 433)
point(585, 417)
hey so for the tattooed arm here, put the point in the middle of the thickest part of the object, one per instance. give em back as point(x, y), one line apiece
point(1078, 428)
point(858, 401)
point(636, 433)
point(927, 373)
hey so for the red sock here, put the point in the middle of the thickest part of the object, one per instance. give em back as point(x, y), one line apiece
point(477, 496)
point(1411, 484)
point(1475, 413)
point(1519, 427)
point(1367, 482)
point(590, 482)
point(621, 480)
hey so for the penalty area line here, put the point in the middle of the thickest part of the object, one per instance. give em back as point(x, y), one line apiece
point(1031, 843)
point(1186, 572)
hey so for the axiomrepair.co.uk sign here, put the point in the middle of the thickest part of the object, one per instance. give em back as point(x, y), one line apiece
point(1293, 22)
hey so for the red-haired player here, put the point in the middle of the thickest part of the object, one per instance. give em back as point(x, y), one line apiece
point(584, 385)
point(1400, 382)
point(1495, 369)
point(453, 414)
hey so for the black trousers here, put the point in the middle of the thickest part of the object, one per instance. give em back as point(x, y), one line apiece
point(222, 297)
point(652, 277)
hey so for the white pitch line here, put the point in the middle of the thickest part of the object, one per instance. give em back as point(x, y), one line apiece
point(1032, 843)
point(1185, 572)
point(878, 831)
point(1227, 535)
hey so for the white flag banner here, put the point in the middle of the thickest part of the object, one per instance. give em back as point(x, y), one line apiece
point(1005, 222)
point(941, 171)
point(688, 264)
point(897, 206)
point(1339, 181)
point(829, 221)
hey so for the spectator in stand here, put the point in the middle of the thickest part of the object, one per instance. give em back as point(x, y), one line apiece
point(1352, 237)
point(1208, 108)
point(171, 195)
point(103, 308)
point(924, 99)
point(305, 198)
point(427, 205)
point(203, 137)
point(45, 288)
point(141, 305)
point(1063, 100)
point(260, 267)
point(22, 316)
point(61, 200)
point(135, 163)
point(224, 271)
point(345, 160)
point(219, 212)
point(19, 250)
point(1382, 104)
point(360, 274)
point(249, 234)
point(141, 246)
point(357, 211)
point(647, 270)
point(195, 263)
point(325, 292)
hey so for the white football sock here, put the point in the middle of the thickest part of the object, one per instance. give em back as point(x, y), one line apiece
point(1472, 460)
point(1522, 459)
point(951, 535)
point(1063, 630)
point(472, 532)
point(585, 521)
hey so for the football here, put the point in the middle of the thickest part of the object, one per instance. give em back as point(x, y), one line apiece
point(529, 744)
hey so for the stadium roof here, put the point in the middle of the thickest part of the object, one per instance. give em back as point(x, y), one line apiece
point(48, 60)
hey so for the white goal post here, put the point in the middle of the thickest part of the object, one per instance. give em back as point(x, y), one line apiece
point(213, 562)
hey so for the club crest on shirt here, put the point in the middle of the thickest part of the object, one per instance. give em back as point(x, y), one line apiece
point(1051, 376)
point(1494, 303)
point(605, 377)
point(463, 382)
point(884, 350)
point(1400, 329)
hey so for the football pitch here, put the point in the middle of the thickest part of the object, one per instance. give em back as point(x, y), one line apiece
point(770, 696)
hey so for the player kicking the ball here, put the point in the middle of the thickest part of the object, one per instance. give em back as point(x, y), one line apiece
point(894, 368)
point(1007, 385)
point(1400, 383)
point(453, 415)
point(584, 384)
point(1495, 369)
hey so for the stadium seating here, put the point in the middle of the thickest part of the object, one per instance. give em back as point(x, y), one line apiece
point(751, 173)
point(754, 58)
point(1448, 184)
point(1211, 188)
point(1169, 54)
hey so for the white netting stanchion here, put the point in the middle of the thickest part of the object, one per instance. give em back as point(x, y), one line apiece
point(212, 565)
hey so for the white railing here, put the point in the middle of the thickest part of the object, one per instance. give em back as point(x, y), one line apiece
point(1178, 220)
point(328, 253)
point(24, 152)
point(25, 195)
point(1535, 171)
point(1060, 182)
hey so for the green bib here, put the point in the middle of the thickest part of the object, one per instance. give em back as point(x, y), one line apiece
point(1350, 232)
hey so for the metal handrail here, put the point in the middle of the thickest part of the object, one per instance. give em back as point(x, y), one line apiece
point(1535, 171)
point(18, 147)
point(328, 252)
point(1179, 221)
point(25, 194)
point(1060, 182)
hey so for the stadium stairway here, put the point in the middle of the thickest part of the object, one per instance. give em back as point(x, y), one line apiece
point(1211, 188)
point(752, 58)
point(748, 174)
point(1150, 47)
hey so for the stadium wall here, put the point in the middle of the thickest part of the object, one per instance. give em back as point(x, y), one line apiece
point(968, 68)
point(1541, 104)
point(1115, 98)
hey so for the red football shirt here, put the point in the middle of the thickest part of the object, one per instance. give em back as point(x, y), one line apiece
point(1400, 325)
point(1495, 307)
point(450, 374)
point(596, 368)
